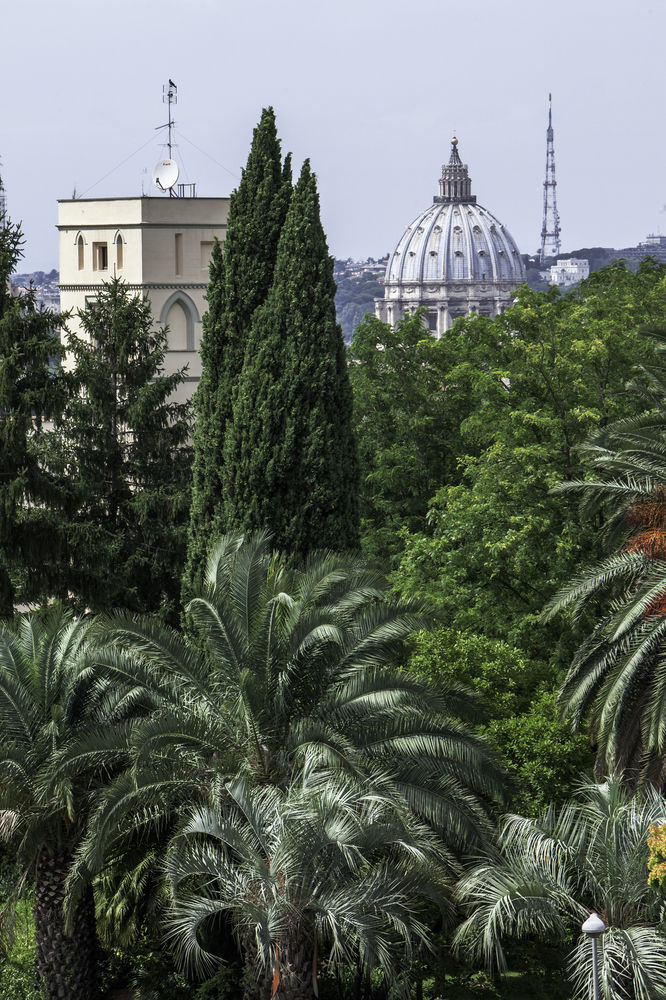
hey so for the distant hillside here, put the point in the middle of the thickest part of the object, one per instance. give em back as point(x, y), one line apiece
point(359, 285)
point(46, 286)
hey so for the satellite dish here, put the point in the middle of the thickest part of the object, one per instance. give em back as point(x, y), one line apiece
point(165, 174)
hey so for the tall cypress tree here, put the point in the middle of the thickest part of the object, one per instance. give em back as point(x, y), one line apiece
point(290, 463)
point(240, 279)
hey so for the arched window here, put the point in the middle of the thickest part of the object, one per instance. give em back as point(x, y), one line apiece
point(180, 314)
point(119, 252)
point(80, 251)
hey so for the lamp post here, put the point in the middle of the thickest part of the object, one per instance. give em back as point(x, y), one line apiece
point(594, 927)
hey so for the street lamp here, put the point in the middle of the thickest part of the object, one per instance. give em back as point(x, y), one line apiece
point(594, 927)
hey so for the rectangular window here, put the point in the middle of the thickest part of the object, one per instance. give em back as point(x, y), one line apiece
point(206, 251)
point(179, 253)
point(100, 256)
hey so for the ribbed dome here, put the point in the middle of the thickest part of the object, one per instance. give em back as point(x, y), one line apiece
point(456, 258)
point(456, 241)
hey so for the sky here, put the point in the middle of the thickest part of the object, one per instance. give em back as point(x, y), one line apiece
point(370, 91)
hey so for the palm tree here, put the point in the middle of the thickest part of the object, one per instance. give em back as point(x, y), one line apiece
point(549, 873)
point(617, 680)
point(317, 865)
point(288, 678)
point(48, 700)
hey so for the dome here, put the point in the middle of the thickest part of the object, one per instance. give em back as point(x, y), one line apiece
point(456, 242)
point(456, 258)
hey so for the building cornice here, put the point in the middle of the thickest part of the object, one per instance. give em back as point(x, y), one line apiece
point(70, 228)
point(147, 286)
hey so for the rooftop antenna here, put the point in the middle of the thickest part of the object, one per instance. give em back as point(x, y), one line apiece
point(165, 173)
point(550, 228)
point(170, 96)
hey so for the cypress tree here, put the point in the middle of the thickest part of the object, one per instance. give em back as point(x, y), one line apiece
point(240, 279)
point(290, 463)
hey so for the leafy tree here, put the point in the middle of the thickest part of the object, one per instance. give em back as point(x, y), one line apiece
point(616, 679)
point(30, 391)
point(498, 544)
point(240, 280)
point(412, 395)
point(520, 714)
point(48, 702)
point(119, 451)
point(550, 872)
point(290, 463)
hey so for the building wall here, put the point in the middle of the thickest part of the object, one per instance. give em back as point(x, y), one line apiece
point(166, 245)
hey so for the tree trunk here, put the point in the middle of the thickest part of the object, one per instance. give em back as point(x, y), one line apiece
point(256, 979)
point(66, 963)
point(296, 970)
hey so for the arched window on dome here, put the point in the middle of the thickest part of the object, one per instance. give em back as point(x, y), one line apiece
point(458, 264)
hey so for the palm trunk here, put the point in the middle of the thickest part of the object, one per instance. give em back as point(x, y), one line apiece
point(297, 969)
point(256, 979)
point(66, 963)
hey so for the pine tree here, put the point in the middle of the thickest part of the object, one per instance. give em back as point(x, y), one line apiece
point(240, 279)
point(29, 392)
point(121, 454)
point(290, 464)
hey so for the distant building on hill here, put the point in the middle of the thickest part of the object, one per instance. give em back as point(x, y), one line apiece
point(455, 258)
point(569, 271)
point(653, 246)
point(159, 246)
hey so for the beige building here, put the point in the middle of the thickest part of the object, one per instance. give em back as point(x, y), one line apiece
point(160, 246)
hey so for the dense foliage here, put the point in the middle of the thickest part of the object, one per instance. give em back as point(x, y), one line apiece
point(119, 461)
point(30, 393)
point(290, 464)
point(281, 730)
point(240, 280)
point(616, 679)
point(550, 872)
point(302, 787)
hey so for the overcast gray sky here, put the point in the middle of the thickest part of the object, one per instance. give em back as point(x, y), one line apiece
point(370, 91)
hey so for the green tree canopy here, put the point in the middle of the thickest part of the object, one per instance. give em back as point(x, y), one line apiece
point(412, 396)
point(498, 543)
point(239, 281)
point(30, 391)
point(616, 679)
point(290, 457)
point(286, 681)
point(120, 455)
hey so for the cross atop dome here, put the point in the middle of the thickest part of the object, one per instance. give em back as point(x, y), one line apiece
point(455, 183)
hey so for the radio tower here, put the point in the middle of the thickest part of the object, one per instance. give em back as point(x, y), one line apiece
point(550, 230)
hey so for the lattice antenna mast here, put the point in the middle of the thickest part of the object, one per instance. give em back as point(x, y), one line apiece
point(550, 229)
